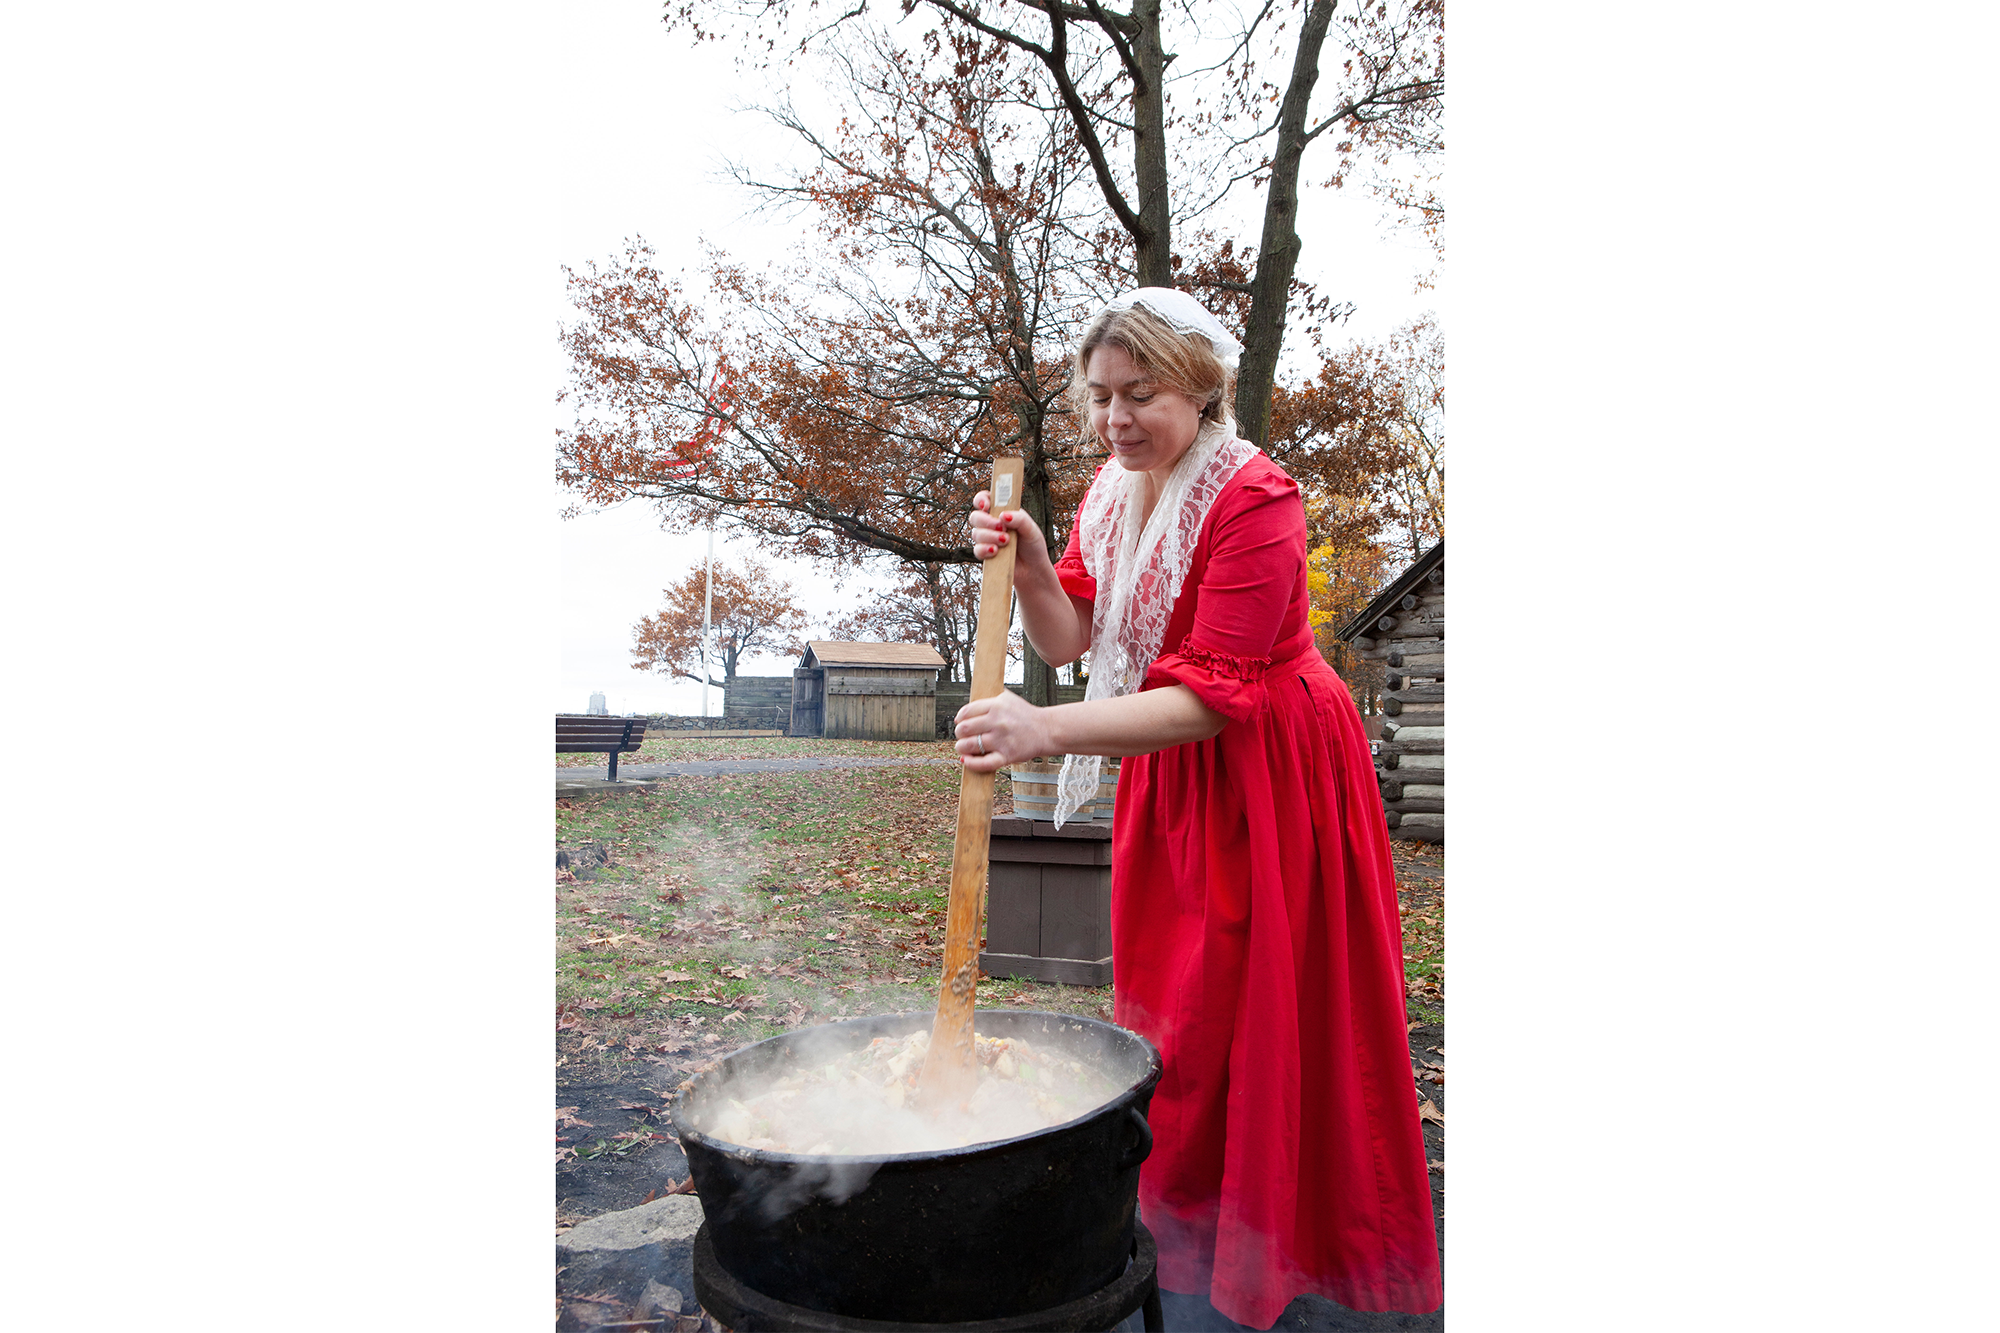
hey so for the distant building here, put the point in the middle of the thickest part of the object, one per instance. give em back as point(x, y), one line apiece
point(871, 691)
point(597, 706)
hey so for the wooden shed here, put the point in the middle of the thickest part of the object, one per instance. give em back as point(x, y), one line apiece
point(866, 691)
point(1403, 628)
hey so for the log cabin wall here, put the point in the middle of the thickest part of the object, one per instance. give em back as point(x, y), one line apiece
point(881, 703)
point(1404, 630)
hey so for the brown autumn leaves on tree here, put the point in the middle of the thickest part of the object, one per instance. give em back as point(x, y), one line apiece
point(938, 605)
point(871, 387)
point(752, 613)
point(969, 212)
point(1365, 441)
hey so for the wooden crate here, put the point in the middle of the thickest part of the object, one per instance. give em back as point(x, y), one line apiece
point(1048, 902)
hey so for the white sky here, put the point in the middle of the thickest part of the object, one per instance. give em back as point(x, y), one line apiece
point(650, 127)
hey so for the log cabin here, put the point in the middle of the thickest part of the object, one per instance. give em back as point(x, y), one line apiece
point(1403, 628)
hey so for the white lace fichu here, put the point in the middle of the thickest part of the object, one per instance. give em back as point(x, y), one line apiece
point(1139, 573)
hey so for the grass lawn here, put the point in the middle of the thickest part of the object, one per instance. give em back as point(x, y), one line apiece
point(741, 906)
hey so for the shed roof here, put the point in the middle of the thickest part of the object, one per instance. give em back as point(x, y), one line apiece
point(834, 652)
point(1389, 596)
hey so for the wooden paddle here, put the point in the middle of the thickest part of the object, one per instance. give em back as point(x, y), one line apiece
point(949, 1072)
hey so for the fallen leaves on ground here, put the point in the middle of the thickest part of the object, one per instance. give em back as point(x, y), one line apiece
point(621, 1145)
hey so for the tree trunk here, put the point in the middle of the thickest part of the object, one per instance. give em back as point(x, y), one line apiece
point(1278, 256)
point(1038, 678)
point(941, 642)
point(1154, 245)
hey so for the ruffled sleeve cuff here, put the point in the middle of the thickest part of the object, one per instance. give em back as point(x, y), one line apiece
point(1232, 686)
point(1075, 581)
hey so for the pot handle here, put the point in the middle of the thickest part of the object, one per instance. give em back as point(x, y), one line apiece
point(1142, 1147)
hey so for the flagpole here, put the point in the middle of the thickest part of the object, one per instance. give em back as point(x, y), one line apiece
point(707, 608)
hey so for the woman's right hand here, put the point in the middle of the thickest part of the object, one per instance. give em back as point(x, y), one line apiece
point(991, 533)
point(1005, 729)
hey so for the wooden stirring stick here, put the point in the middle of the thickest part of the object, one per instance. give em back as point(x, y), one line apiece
point(949, 1072)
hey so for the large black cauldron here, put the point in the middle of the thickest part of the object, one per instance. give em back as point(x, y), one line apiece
point(982, 1232)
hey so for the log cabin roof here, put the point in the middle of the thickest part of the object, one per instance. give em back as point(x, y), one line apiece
point(1405, 582)
point(837, 653)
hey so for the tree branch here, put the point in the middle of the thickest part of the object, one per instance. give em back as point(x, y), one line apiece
point(1055, 57)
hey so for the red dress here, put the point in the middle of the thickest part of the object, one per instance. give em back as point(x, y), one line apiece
point(1257, 944)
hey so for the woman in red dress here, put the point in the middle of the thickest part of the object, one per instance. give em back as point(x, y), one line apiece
point(1253, 901)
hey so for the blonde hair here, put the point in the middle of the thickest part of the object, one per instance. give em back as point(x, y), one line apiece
point(1176, 361)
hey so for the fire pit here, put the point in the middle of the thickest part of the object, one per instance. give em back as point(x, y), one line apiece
point(1024, 1226)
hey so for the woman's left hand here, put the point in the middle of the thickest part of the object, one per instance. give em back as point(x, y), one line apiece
point(1005, 729)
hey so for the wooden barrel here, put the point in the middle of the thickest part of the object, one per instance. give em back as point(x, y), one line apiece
point(1036, 786)
point(1035, 789)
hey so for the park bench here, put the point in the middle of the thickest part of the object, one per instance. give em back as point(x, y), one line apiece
point(592, 733)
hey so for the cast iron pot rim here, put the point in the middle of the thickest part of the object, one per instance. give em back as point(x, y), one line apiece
point(1147, 1077)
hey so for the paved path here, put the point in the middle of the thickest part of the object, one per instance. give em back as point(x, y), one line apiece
point(690, 768)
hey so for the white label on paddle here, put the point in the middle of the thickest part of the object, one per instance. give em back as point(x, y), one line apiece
point(1003, 489)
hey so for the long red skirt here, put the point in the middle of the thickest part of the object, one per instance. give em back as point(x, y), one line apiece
point(1258, 945)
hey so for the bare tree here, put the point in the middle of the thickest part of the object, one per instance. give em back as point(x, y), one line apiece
point(1106, 70)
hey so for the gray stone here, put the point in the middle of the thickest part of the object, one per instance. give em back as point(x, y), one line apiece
point(674, 1218)
point(632, 1251)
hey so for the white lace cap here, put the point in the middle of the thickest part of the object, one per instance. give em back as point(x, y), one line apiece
point(1188, 316)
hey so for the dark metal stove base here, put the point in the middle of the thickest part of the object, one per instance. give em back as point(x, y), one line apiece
point(738, 1307)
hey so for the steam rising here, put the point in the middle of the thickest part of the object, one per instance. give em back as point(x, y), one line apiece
point(833, 1180)
point(832, 1093)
